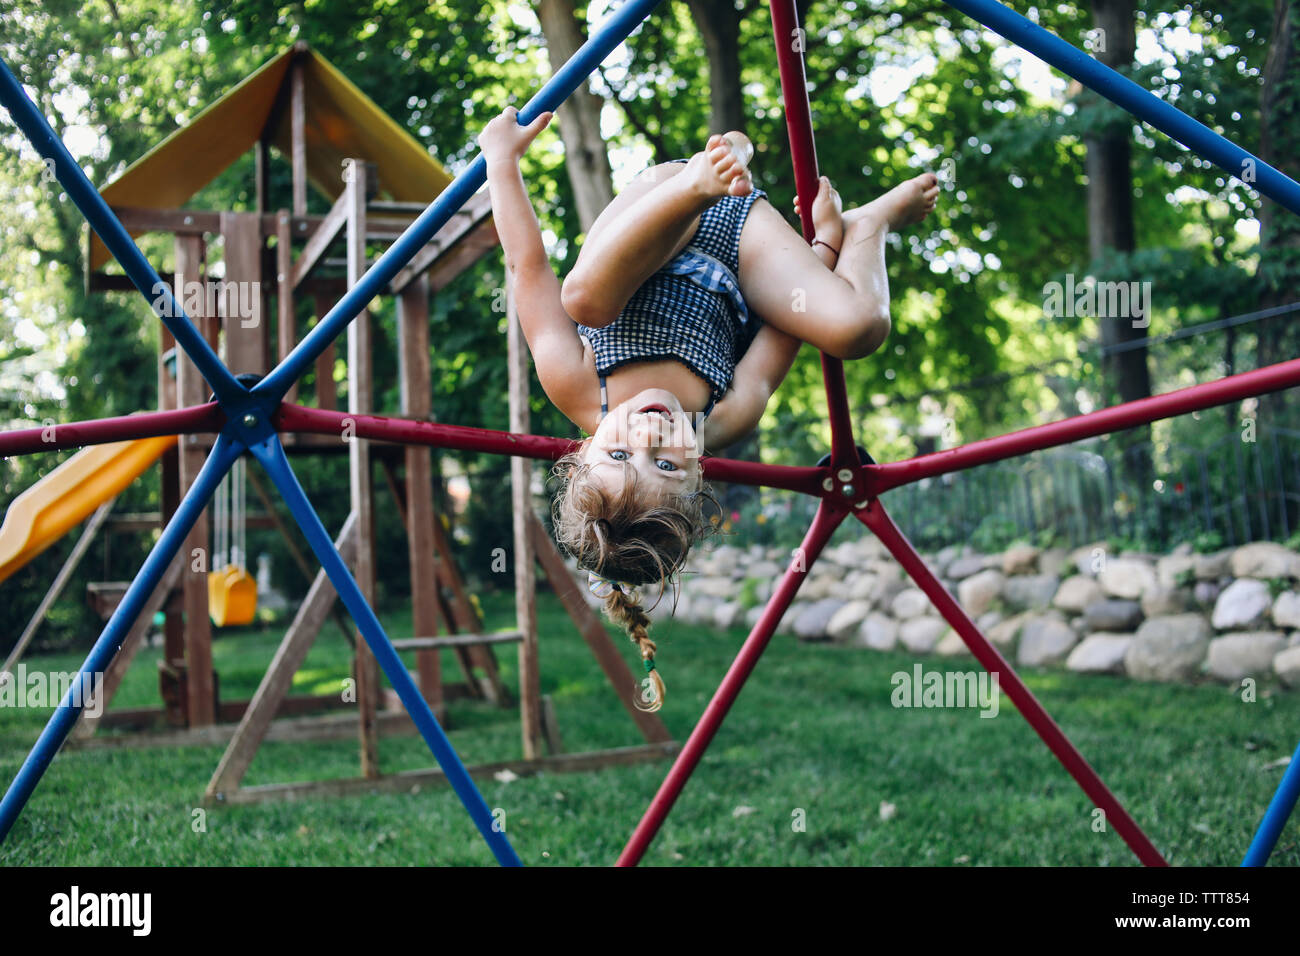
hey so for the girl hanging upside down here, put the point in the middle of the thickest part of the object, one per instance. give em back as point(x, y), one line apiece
point(689, 300)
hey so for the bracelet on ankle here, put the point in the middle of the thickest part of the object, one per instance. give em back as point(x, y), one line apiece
point(822, 242)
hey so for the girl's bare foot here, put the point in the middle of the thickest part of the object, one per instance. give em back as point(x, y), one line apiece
point(718, 171)
point(828, 223)
point(905, 204)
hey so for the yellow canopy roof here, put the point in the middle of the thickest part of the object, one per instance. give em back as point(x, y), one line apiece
point(341, 122)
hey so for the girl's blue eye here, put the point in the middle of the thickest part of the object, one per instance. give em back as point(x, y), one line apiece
point(618, 454)
point(665, 465)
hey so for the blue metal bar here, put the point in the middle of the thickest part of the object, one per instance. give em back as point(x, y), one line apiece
point(419, 233)
point(1275, 817)
point(223, 454)
point(271, 454)
point(1143, 104)
point(116, 238)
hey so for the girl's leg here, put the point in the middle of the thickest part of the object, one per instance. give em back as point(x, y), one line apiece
point(646, 225)
point(844, 312)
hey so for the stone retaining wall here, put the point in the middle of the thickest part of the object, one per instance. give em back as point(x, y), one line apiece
point(1228, 615)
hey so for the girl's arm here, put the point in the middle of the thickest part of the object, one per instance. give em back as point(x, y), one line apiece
point(758, 374)
point(551, 334)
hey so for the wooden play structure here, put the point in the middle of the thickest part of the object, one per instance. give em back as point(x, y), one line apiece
point(378, 179)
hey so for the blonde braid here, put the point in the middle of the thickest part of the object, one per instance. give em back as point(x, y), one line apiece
point(627, 612)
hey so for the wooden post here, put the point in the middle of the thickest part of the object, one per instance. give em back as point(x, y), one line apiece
point(360, 400)
point(286, 329)
point(417, 403)
point(298, 134)
point(241, 304)
point(193, 390)
point(169, 491)
point(326, 394)
point(261, 173)
point(521, 502)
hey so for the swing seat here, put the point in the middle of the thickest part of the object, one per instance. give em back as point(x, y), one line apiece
point(232, 597)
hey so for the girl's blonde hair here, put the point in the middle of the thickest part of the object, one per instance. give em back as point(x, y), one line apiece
point(630, 542)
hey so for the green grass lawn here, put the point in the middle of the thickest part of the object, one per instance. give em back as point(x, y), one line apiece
point(814, 731)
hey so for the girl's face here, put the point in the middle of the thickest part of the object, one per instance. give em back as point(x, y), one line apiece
point(652, 434)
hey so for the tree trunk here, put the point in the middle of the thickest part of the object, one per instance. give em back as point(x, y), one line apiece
point(719, 24)
point(1279, 230)
point(584, 147)
point(1111, 231)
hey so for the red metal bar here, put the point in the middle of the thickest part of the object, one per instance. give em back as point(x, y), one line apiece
point(298, 418)
point(180, 421)
point(1191, 399)
point(875, 518)
point(790, 43)
point(824, 523)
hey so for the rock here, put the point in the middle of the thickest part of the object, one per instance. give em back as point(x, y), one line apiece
point(988, 620)
point(1205, 593)
point(1251, 654)
point(752, 616)
point(878, 632)
point(1163, 600)
point(1004, 634)
point(909, 603)
point(1168, 648)
point(1128, 577)
point(1030, 592)
point(864, 587)
point(1287, 666)
point(1100, 654)
point(1045, 640)
point(1264, 559)
point(1054, 561)
point(845, 622)
point(699, 608)
point(1076, 593)
point(966, 565)
point(786, 624)
point(1243, 604)
point(1090, 559)
point(977, 593)
point(726, 614)
point(713, 587)
point(1112, 615)
point(951, 645)
point(726, 559)
point(1175, 570)
point(819, 586)
point(1211, 567)
point(812, 622)
point(921, 635)
point(764, 569)
point(1020, 559)
point(1286, 609)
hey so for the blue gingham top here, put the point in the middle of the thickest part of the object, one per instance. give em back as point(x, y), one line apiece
point(691, 310)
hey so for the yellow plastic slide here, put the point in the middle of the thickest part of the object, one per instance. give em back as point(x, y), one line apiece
point(69, 494)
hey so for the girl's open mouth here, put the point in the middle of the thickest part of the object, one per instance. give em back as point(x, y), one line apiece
point(661, 409)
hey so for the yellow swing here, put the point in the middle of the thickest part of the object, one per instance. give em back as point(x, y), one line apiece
point(232, 591)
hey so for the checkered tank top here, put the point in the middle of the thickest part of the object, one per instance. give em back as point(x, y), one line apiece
point(690, 311)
